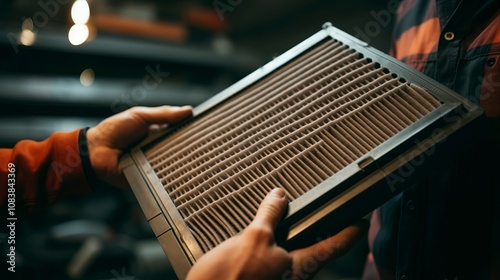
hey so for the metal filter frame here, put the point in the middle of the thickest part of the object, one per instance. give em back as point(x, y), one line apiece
point(342, 199)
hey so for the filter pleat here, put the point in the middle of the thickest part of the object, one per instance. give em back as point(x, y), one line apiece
point(293, 129)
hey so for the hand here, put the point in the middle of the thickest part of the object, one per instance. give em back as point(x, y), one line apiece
point(254, 255)
point(108, 140)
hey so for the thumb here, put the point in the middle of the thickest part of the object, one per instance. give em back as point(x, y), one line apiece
point(271, 210)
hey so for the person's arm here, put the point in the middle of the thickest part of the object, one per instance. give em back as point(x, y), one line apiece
point(40, 172)
point(254, 254)
point(64, 163)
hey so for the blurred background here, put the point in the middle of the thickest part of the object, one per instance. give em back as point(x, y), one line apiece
point(68, 64)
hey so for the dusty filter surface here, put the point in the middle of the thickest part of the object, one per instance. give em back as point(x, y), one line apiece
point(295, 128)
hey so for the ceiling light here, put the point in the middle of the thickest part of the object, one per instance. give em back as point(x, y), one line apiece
point(78, 34)
point(87, 77)
point(27, 37)
point(80, 12)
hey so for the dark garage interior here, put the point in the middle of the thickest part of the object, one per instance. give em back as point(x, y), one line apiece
point(52, 79)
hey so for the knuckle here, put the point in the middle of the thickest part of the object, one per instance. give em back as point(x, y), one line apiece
point(136, 109)
point(274, 209)
point(260, 233)
point(338, 248)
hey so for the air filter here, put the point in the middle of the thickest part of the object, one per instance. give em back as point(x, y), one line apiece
point(338, 125)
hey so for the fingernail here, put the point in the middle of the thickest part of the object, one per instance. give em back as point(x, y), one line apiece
point(279, 193)
point(178, 108)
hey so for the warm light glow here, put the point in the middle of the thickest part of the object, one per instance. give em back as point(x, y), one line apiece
point(27, 37)
point(87, 77)
point(27, 24)
point(78, 34)
point(80, 12)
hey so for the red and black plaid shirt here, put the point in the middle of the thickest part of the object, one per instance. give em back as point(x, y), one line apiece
point(447, 225)
point(457, 46)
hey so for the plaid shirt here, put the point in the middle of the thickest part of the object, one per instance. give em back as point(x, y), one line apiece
point(442, 227)
point(457, 46)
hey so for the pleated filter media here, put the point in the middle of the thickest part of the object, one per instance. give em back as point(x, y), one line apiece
point(332, 121)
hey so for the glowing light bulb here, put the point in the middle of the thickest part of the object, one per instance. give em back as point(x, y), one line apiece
point(87, 77)
point(27, 24)
point(27, 37)
point(80, 12)
point(78, 34)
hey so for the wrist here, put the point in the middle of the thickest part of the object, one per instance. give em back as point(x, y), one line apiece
point(85, 147)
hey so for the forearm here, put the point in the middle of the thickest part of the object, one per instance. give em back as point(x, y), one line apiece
point(71, 162)
point(43, 171)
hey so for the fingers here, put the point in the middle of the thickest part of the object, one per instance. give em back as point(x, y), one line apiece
point(271, 210)
point(162, 114)
point(332, 247)
point(112, 136)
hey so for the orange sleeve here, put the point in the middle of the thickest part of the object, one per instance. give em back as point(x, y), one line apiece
point(42, 172)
